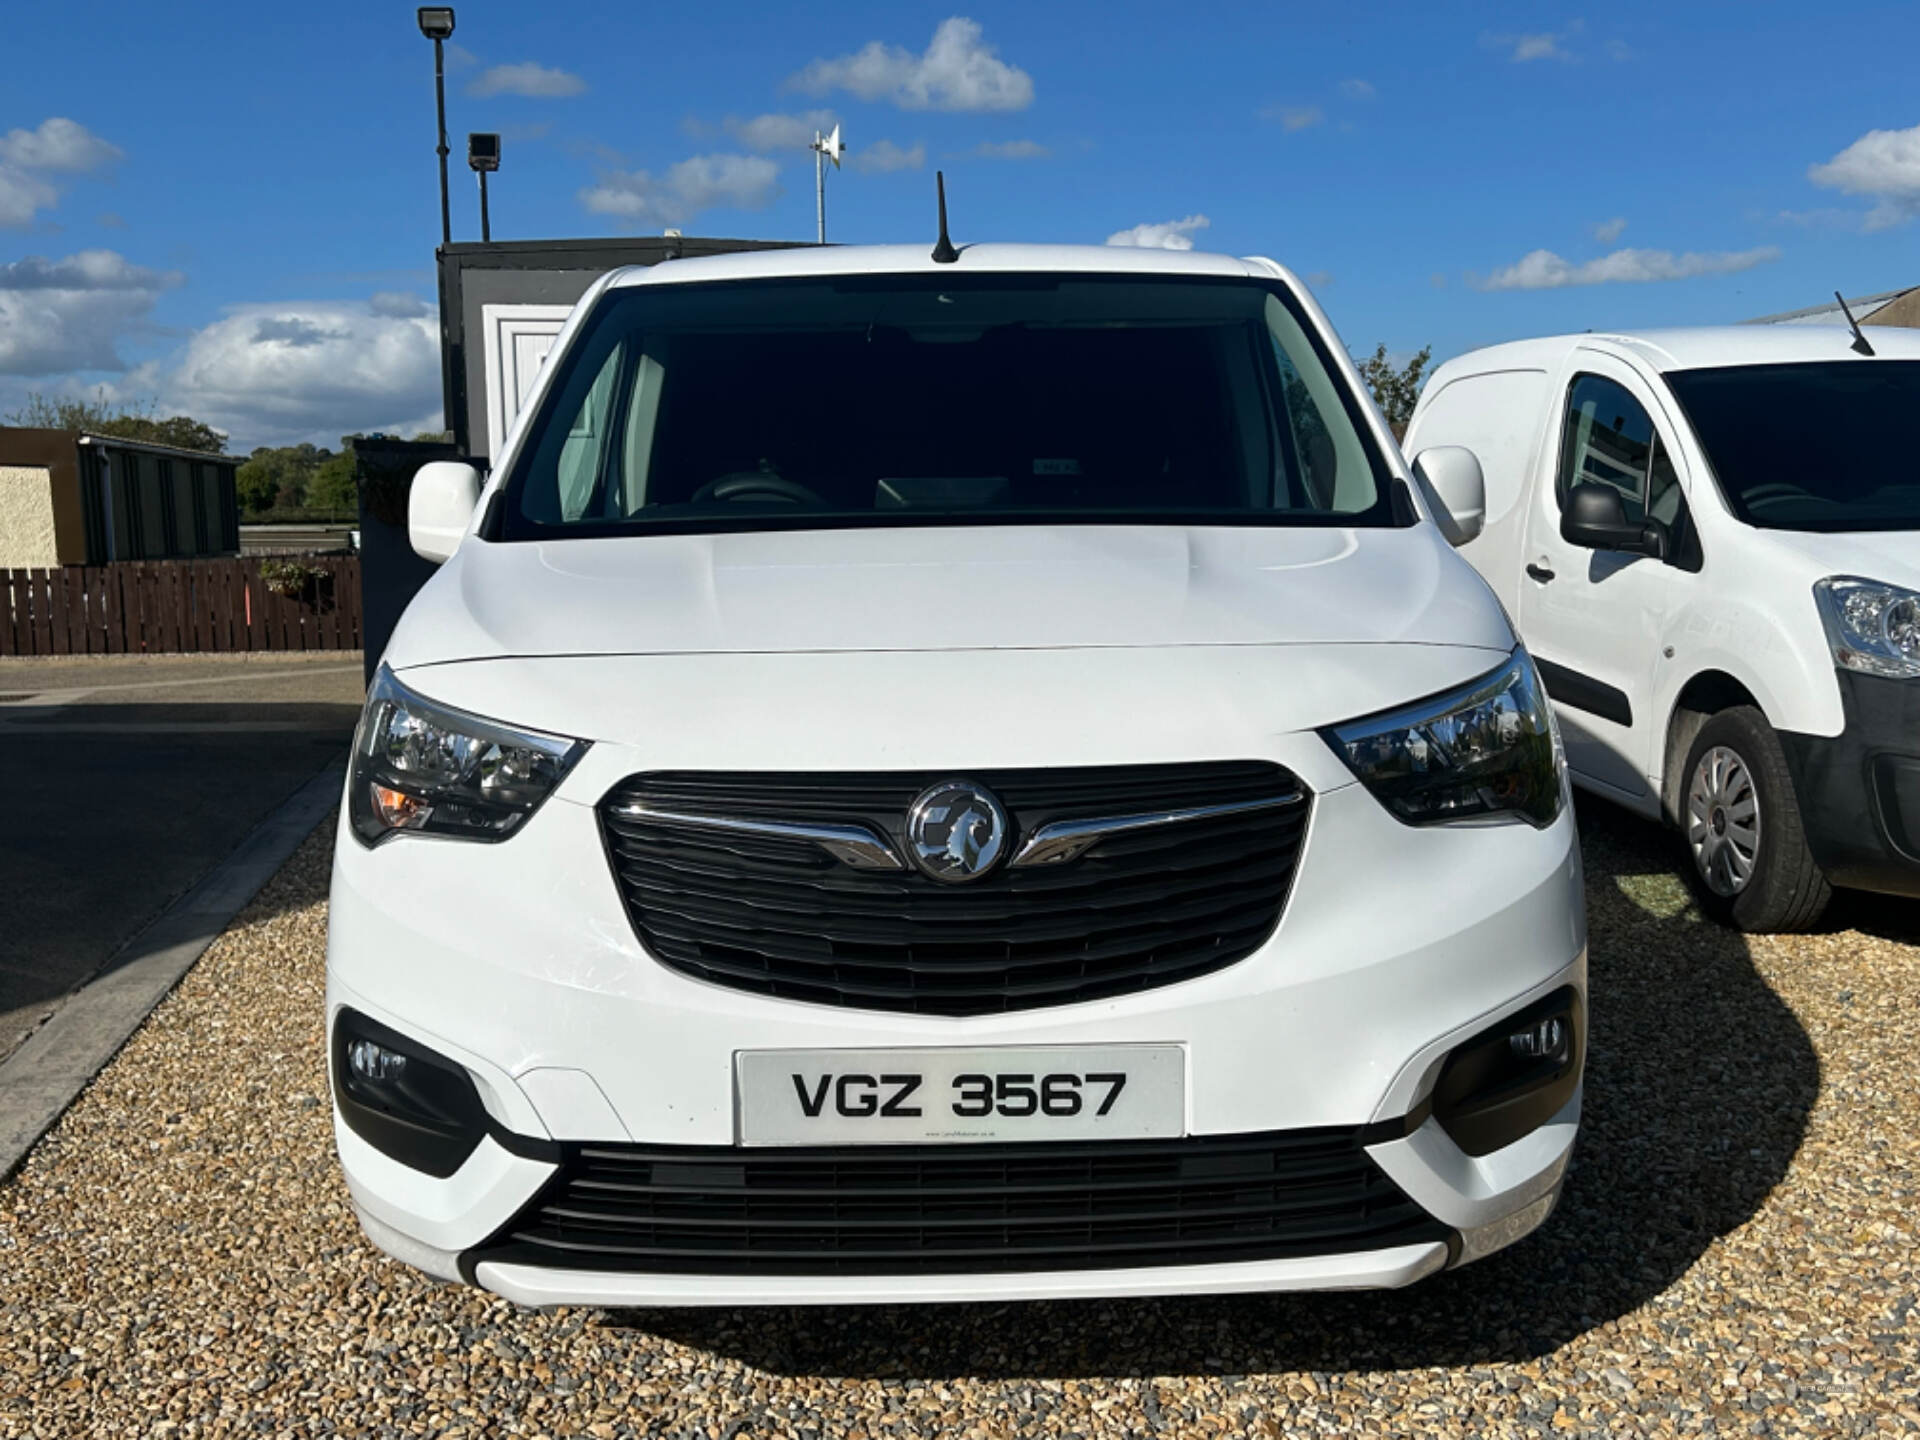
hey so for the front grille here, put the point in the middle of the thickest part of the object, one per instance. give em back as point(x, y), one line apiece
point(960, 1209)
point(783, 917)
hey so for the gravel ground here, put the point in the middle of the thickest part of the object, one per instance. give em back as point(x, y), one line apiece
point(1735, 1253)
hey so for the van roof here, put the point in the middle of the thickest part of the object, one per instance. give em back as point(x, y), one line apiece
point(810, 260)
point(1696, 348)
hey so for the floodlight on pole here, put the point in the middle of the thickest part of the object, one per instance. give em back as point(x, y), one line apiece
point(483, 157)
point(829, 148)
point(436, 23)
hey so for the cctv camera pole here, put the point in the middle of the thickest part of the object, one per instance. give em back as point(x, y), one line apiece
point(483, 155)
point(440, 105)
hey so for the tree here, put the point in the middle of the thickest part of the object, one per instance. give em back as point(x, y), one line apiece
point(332, 487)
point(1395, 390)
point(298, 477)
point(125, 420)
point(256, 482)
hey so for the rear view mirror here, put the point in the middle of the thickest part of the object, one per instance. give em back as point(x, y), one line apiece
point(440, 507)
point(1456, 490)
point(1595, 517)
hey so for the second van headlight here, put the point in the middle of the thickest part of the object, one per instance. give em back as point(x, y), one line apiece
point(423, 767)
point(1488, 749)
point(1873, 627)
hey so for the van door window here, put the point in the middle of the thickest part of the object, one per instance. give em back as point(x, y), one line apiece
point(1607, 440)
point(1664, 501)
point(584, 451)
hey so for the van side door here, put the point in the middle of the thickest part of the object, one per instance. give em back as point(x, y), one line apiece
point(1595, 619)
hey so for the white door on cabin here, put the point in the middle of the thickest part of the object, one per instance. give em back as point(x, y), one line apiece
point(517, 338)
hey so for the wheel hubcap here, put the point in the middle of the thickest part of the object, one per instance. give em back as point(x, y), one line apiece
point(1723, 821)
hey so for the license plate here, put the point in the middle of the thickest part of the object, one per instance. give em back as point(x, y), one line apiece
point(898, 1097)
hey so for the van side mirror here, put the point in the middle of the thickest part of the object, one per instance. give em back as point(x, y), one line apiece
point(440, 507)
point(1595, 517)
point(1456, 490)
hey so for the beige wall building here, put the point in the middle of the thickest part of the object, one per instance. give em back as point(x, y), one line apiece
point(68, 498)
point(1889, 307)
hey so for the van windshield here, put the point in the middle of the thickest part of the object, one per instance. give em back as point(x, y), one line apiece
point(986, 399)
point(1826, 445)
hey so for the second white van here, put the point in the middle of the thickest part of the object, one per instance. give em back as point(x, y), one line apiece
point(1709, 539)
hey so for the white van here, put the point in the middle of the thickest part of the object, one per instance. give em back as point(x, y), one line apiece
point(1710, 541)
point(950, 776)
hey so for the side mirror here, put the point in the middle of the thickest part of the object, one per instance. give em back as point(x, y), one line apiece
point(1596, 518)
point(1456, 490)
point(440, 507)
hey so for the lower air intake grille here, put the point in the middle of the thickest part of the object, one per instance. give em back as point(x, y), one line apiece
point(783, 917)
point(960, 1209)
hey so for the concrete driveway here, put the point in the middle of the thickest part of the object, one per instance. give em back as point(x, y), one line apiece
point(127, 778)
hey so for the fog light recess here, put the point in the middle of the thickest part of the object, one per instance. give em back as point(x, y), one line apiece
point(407, 1101)
point(1514, 1076)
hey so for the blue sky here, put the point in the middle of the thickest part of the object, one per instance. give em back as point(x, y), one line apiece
point(233, 209)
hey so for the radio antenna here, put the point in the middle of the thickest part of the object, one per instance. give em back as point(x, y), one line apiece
point(943, 251)
point(1860, 345)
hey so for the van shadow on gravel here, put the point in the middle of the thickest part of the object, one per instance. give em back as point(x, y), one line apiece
point(1700, 1081)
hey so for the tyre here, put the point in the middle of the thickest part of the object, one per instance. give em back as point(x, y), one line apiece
point(1742, 825)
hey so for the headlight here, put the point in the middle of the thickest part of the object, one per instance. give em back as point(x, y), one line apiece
point(1490, 748)
point(1873, 628)
point(421, 766)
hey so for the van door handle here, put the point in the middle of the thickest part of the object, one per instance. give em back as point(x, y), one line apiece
point(1539, 572)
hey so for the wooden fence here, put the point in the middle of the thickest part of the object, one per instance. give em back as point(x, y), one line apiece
point(173, 606)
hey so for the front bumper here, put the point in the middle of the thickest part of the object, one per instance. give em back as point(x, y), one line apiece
point(518, 963)
point(1859, 791)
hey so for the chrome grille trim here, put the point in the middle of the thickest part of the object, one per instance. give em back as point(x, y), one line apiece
point(853, 845)
point(1063, 840)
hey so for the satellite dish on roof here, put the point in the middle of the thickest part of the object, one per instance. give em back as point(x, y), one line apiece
point(832, 147)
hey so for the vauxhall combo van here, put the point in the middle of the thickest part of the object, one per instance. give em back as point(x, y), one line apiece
point(935, 777)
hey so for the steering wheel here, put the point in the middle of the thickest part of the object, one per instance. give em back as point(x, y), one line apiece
point(756, 485)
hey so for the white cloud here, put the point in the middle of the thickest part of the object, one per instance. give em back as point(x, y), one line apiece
point(1524, 48)
point(1608, 231)
point(303, 370)
point(1882, 164)
point(702, 182)
point(957, 72)
point(1168, 235)
point(780, 132)
point(1294, 117)
point(1320, 279)
point(883, 156)
point(535, 82)
point(58, 146)
point(1011, 150)
point(1544, 270)
point(397, 304)
point(22, 196)
point(1358, 89)
point(58, 315)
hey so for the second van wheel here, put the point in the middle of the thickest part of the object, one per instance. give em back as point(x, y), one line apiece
point(1742, 824)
